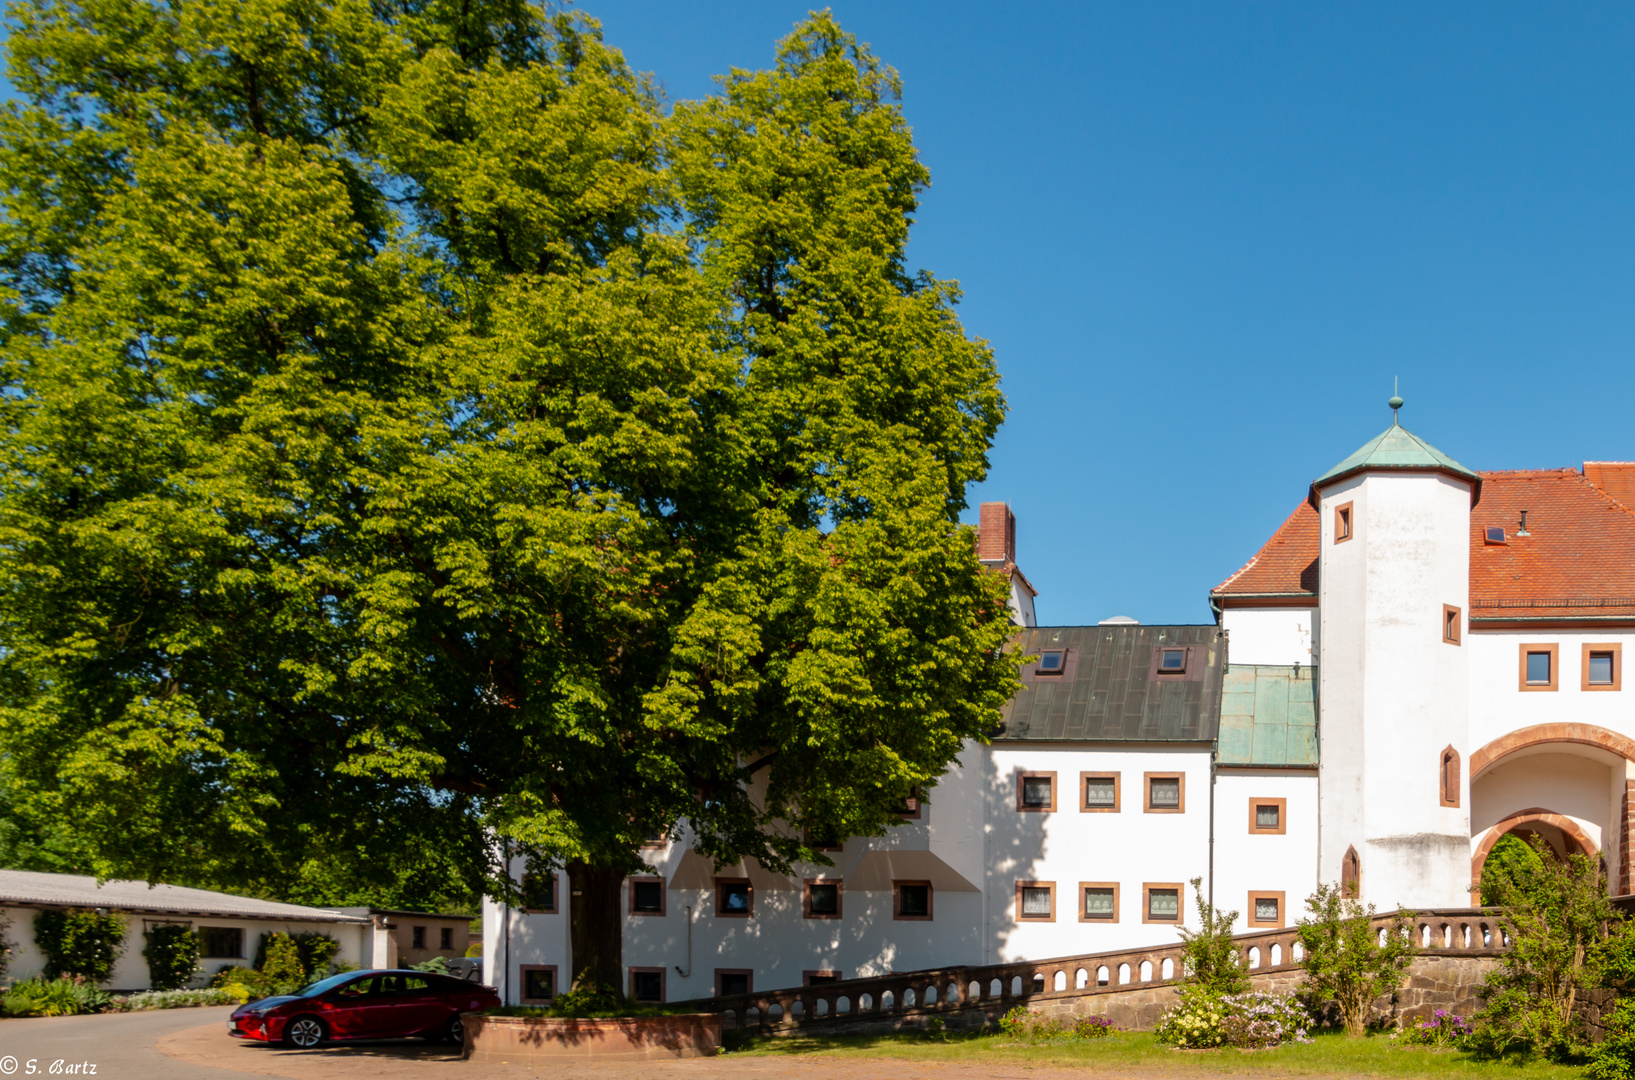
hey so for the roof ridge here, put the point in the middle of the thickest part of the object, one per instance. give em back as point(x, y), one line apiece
point(1505, 474)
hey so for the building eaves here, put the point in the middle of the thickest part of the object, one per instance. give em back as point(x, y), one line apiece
point(27, 888)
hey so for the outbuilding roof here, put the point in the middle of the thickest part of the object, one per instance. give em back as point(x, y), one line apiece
point(1110, 688)
point(32, 888)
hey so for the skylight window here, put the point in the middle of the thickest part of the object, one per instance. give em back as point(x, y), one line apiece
point(1052, 661)
point(1495, 535)
point(1172, 661)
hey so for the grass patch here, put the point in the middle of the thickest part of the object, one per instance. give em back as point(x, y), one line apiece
point(1330, 1054)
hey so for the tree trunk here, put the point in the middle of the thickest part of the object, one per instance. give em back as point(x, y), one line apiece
point(597, 927)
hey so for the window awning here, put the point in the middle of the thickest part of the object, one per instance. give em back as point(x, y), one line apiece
point(697, 872)
point(880, 868)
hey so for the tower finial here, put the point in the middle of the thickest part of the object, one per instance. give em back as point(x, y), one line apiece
point(1395, 402)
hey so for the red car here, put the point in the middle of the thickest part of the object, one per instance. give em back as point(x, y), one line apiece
point(364, 1005)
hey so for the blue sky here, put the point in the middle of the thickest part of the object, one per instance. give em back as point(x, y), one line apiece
point(1203, 238)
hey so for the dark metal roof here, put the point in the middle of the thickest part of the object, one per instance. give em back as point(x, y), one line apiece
point(1110, 688)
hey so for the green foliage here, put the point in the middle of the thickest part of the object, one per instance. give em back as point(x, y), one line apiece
point(1510, 861)
point(1347, 960)
point(1565, 938)
point(314, 950)
point(586, 1001)
point(282, 971)
point(1026, 1025)
point(79, 943)
point(1443, 1030)
point(414, 438)
point(63, 996)
point(174, 999)
point(172, 953)
point(1210, 959)
point(436, 965)
point(6, 945)
point(1613, 1058)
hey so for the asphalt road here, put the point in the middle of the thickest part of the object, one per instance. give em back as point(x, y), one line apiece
point(116, 1045)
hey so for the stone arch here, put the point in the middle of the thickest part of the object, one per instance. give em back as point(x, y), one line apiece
point(1567, 825)
point(1522, 738)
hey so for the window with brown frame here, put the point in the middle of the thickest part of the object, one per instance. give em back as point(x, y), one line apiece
point(1603, 667)
point(734, 898)
point(1051, 662)
point(1098, 901)
point(1452, 623)
point(911, 901)
point(1172, 661)
point(1161, 902)
point(1266, 910)
point(539, 893)
point(1035, 792)
point(1449, 777)
point(538, 983)
point(1035, 901)
point(730, 981)
point(1342, 523)
point(1539, 669)
point(1098, 792)
point(1267, 816)
point(647, 984)
point(1351, 873)
point(820, 898)
point(910, 806)
point(647, 895)
point(1166, 793)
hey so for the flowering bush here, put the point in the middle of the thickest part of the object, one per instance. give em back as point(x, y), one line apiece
point(1250, 1021)
point(1093, 1027)
point(1442, 1029)
point(173, 999)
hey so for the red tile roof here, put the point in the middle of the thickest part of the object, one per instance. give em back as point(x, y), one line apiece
point(1616, 478)
point(1285, 566)
point(1577, 561)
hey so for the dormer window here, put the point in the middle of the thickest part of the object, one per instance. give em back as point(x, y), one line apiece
point(1495, 535)
point(1052, 662)
point(1172, 661)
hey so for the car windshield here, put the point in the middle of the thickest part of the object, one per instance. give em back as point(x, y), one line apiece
point(322, 985)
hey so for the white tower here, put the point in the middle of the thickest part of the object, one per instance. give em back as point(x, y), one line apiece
point(1394, 584)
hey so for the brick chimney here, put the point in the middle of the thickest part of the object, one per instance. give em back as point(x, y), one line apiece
point(996, 534)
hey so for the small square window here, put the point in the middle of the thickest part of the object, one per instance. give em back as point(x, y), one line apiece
point(538, 983)
point(1165, 793)
point(1036, 791)
point(1538, 669)
point(445, 938)
point(1051, 662)
point(1036, 900)
point(1600, 669)
point(733, 897)
point(1266, 909)
point(646, 896)
point(730, 981)
point(1172, 661)
point(823, 899)
point(1495, 535)
point(1268, 816)
point(1164, 903)
point(1101, 791)
point(1100, 903)
point(913, 899)
point(419, 938)
point(647, 984)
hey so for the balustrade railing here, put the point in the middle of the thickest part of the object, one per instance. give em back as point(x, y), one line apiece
point(1469, 932)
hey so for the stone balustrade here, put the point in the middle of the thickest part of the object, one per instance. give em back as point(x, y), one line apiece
point(979, 991)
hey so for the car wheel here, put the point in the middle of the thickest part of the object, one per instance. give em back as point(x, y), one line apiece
point(305, 1033)
point(455, 1030)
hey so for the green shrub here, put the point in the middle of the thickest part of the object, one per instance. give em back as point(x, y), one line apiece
point(1348, 961)
point(1198, 1022)
point(64, 996)
point(587, 1001)
point(1510, 861)
point(79, 943)
point(5, 946)
point(314, 951)
point(1025, 1024)
point(173, 999)
point(1209, 957)
point(282, 971)
point(435, 966)
point(1613, 1058)
point(172, 953)
point(474, 950)
point(1443, 1030)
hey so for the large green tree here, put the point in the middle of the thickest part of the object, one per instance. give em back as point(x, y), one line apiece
point(415, 435)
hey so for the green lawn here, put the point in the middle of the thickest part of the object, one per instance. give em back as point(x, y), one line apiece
point(1329, 1055)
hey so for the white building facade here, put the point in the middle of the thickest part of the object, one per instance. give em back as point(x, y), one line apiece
point(1420, 660)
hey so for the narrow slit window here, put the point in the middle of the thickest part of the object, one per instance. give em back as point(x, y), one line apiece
point(1342, 523)
point(1452, 621)
point(1450, 777)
